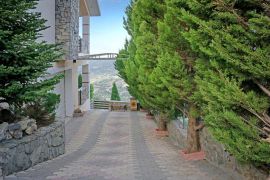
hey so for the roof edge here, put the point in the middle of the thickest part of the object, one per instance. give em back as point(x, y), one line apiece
point(93, 7)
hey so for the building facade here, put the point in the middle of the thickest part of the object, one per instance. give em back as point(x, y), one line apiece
point(63, 19)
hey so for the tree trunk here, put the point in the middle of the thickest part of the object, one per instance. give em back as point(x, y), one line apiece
point(162, 122)
point(193, 140)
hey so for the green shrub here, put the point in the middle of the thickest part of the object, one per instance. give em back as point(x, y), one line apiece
point(91, 91)
point(115, 95)
point(43, 109)
point(79, 81)
point(24, 60)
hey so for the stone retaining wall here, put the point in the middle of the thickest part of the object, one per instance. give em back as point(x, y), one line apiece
point(177, 135)
point(45, 144)
point(216, 153)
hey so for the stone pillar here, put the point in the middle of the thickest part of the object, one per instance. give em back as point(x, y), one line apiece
point(85, 33)
point(67, 27)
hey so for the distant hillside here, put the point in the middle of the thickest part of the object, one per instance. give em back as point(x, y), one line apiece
point(103, 74)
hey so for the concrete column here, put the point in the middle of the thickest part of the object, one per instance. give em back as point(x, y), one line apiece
point(86, 88)
point(71, 90)
point(75, 89)
point(68, 93)
point(85, 33)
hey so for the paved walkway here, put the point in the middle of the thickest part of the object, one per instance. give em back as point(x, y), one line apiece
point(118, 146)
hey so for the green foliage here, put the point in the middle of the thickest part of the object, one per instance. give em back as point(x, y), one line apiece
point(50, 102)
point(233, 64)
point(115, 95)
point(173, 76)
point(212, 56)
point(130, 71)
point(144, 17)
point(79, 81)
point(120, 62)
point(91, 91)
point(24, 60)
point(43, 109)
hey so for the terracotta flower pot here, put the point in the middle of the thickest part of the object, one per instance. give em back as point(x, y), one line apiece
point(149, 116)
point(161, 133)
point(143, 110)
point(196, 156)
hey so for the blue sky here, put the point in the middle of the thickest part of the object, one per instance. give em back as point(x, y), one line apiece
point(106, 31)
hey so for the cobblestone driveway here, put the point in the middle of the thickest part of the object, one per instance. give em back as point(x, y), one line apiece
point(118, 146)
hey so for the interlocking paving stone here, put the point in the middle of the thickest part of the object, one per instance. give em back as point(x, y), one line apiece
point(147, 167)
point(107, 145)
point(43, 170)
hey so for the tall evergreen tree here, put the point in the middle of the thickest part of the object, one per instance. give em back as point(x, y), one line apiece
point(127, 68)
point(205, 58)
point(175, 72)
point(145, 15)
point(119, 64)
point(115, 94)
point(24, 61)
point(233, 76)
point(91, 91)
point(80, 81)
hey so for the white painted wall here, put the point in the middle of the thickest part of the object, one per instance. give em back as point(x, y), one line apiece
point(68, 87)
point(47, 9)
point(60, 89)
point(68, 93)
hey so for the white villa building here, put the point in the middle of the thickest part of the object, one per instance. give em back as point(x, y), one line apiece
point(63, 17)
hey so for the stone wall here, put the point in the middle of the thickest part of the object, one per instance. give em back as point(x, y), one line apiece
point(67, 27)
point(216, 154)
point(45, 144)
point(177, 134)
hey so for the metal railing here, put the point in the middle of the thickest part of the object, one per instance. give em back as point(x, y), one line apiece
point(110, 105)
point(183, 122)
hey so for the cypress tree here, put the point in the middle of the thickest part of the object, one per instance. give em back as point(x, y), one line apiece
point(115, 95)
point(24, 61)
point(175, 71)
point(91, 91)
point(79, 81)
point(233, 76)
point(141, 24)
point(205, 58)
point(145, 15)
point(125, 62)
point(119, 64)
